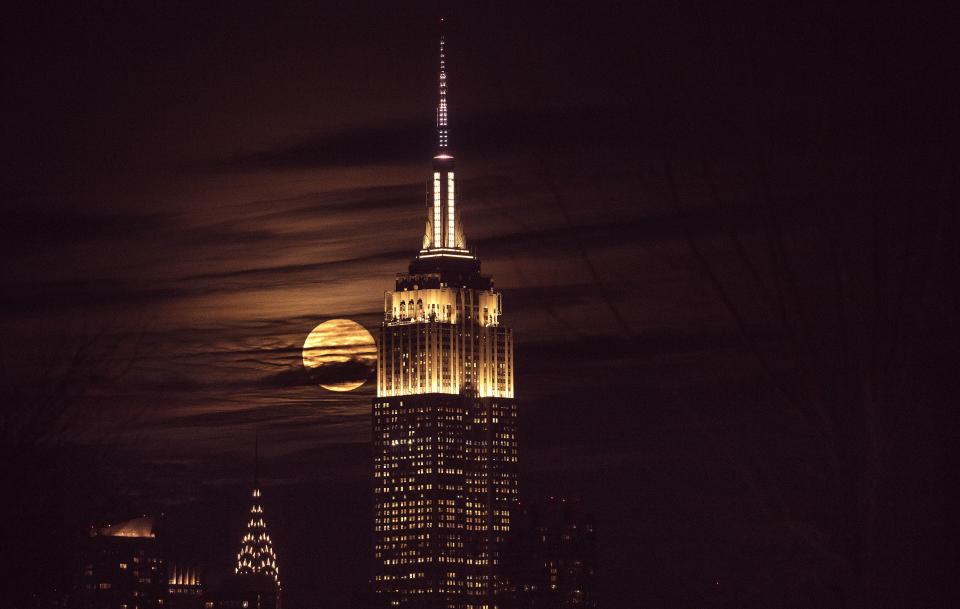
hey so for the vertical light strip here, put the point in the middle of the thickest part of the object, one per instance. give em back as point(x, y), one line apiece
point(451, 213)
point(442, 105)
point(437, 228)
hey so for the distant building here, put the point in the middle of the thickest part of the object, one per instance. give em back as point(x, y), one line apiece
point(184, 589)
point(122, 567)
point(444, 419)
point(551, 558)
point(255, 583)
point(248, 591)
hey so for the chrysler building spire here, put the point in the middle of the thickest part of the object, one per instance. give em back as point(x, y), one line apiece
point(444, 234)
point(256, 561)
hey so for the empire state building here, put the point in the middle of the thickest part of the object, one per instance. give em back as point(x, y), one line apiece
point(444, 419)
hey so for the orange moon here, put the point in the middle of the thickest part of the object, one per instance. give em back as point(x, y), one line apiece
point(340, 344)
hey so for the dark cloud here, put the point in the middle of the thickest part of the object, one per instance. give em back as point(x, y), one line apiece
point(263, 417)
point(297, 269)
point(353, 370)
point(34, 298)
point(314, 205)
point(476, 135)
point(604, 350)
point(44, 225)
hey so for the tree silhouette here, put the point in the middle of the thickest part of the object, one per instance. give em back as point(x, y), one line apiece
point(59, 436)
point(840, 303)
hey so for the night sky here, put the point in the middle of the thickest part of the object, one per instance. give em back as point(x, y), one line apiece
point(708, 223)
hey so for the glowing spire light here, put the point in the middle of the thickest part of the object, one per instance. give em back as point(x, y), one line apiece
point(443, 133)
point(443, 236)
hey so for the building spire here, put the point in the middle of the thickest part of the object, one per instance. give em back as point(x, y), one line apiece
point(256, 459)
point(443, 236)
point(443, 132)
point(256, 556)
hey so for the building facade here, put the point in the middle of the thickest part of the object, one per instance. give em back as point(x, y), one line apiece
point(128, 566)
point(184, 587)
point(444, 419)
point(122, 567)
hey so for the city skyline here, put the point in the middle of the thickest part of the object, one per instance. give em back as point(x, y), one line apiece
point(721, 235)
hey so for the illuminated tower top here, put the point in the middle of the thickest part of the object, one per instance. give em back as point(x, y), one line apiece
point(256, 556)
point(443, 236)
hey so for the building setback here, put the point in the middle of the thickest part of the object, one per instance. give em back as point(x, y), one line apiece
point(444, 419)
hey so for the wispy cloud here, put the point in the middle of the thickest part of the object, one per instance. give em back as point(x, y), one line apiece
point(481, 135)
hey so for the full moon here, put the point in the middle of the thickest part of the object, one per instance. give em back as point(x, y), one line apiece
point(340, 353)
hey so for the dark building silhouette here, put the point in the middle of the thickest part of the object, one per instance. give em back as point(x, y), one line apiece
point(122, 567)
point(550, 562)
point(444, 419)
point(246, 591)
point(126, 566)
